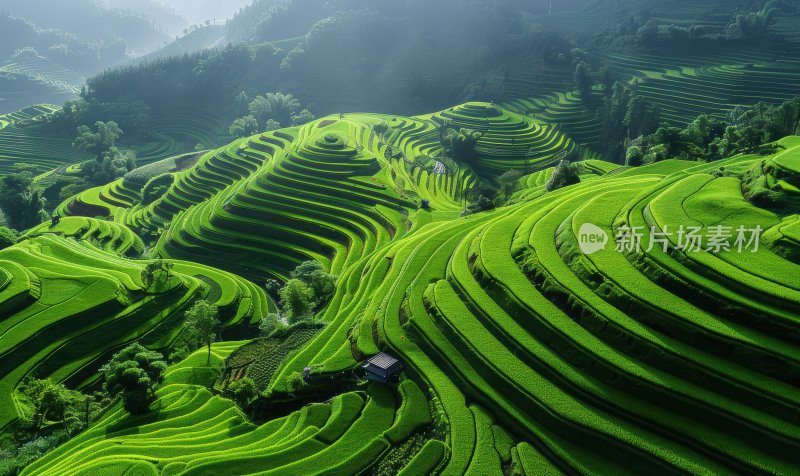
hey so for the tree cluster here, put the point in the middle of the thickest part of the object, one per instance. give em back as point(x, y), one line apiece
point(625, 115)
point(134, 374)
point(157, 187)
point(130, 114)
point(460, 144)
point(52, 402)
point(21, 201)
point(709, 138)
point(268, 112)
point(753, 24)
point(110, 163)
point(308, 290)
point(53, 414)
point(7, 237)
point(481, 198)
point(156, 274)
point(564, 174)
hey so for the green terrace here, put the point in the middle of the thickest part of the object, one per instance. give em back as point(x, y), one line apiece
point(361, 189)
point(193, 431)
point(521, 351)
point(707, 80)
point(69, 300)
point(569, 352)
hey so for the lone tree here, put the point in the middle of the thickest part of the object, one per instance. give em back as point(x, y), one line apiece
point(202, 325)
point(584, 81)
point(322, 284)
point(156, 272)
point(297, 299)
point(564, 174)
point(244, 392)
point(135, 373)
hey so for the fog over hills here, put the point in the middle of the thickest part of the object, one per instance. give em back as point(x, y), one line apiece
point(198, 11)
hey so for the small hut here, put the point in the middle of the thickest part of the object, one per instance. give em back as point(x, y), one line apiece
point(382, 367)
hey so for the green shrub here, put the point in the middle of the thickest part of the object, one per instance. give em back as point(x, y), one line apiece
point(565, 174)
point(7, 237)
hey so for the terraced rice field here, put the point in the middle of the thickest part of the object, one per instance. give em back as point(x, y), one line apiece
point(175, 134)
point(35, 113)
point(706, 80)
point(346, 434)
point(46, 71)
point(240, 208)
point(532, 355)
point(25, 139)
point(575, 331)
point(667, 362)
point(71, 297)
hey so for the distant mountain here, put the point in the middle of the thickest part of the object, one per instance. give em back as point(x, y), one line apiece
point(89, 21)
point(198, 11)
point(211, 36)
point(165, 17)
